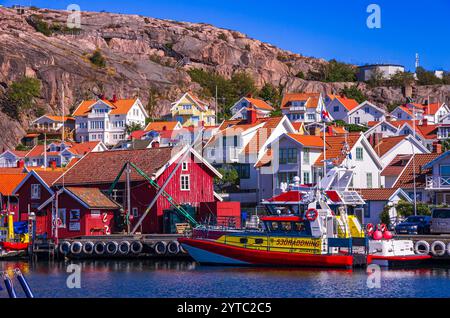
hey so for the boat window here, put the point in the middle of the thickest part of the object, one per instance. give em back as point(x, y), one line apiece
point(259, 241)
point(243, 240)
point(299, 226)
point(286, 226)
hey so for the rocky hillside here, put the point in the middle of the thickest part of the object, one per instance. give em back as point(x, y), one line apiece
point(142, 54)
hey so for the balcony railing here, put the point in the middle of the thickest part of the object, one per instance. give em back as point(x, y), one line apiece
point(297, 108)
point(437, 182)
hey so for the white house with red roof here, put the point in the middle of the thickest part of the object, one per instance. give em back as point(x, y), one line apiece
point(11, 158)
point(239, 110)
point(53, 123)
point(389, 147)
point(303, 107)
point(240, 144)
point(350, 111)
point(382, 128)
point(61, 153)
point(106, 120)
point(434, 113)
point(303, 156)
point(339, 106)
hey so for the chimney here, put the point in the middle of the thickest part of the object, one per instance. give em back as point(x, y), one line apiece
point(155, 144)
point(424, 122)
point(437, 147)
point(371, 140)
point(251, 115)
point(53, 164)
point(164, 128)
point(102, 96)
point(20, 163)
point(114, 99)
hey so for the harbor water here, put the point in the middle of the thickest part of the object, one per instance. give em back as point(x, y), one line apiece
point(150, 278)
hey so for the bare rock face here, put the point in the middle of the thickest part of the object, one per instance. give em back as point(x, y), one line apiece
point(141, 54)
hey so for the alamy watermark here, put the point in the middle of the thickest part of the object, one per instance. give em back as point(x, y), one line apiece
point(374, 19)
point(374, 276)
point(74, 278)
point(74, 17)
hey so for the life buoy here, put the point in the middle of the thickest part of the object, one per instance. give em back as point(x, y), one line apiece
point(99, 248)
point(124, 247)
point(370, 228)
point(311, 214)
point(160, 248)
point(424, 251)
point(112, 247)
point(173, 247)
point(76, 248)
point(88, 248)
point(382, 227)
point(448, 249)
point(105, 217)
point(64, 247)
point(107, 230)
point(439, 252)
point(136, 247)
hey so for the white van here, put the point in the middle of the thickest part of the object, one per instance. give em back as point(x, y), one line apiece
point(440, 221)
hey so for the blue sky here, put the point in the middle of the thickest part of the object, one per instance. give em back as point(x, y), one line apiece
point(326, 29)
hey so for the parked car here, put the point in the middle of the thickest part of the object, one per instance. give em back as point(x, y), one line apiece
point(415, 224)
point(440, 220)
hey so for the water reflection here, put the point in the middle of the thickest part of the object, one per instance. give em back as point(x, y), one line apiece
point(159, 278)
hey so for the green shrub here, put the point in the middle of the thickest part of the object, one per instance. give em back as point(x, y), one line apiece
point(20, 96)
point(406, 209)
point(39, 24)
point(223, 37)
point(97, 59)
point(355, 93)
point(384, 216)
point(425, 77)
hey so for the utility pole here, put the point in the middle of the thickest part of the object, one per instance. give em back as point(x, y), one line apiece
point(128, 198)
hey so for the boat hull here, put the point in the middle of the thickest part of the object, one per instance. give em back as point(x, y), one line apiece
point(211, 252)
point(14, 246)
point(397, 261)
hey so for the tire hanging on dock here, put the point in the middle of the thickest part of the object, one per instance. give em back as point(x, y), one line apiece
point(442, 248)
point(173, 247)
point(160, 248)
point(112, 248)
point(99, 248)
point(76, 248)
point(424, 251)
point(136, 247)
point(124, 247)
point(64, 247)
point(88, 248)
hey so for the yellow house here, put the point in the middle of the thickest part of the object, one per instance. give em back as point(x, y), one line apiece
point(191, 111)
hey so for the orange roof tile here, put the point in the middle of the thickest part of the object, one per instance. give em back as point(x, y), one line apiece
point(120, 107)
point(265, 160)
point(311, 99)
point(386, 144)
point(334, 146)
point(348, 103)
point(37, 150)
point(84, 147)
point(378, 194)
point(259, 103)
point(93, 197)
point(161, 125)
point(308, 140)
point(396, 166)
point(297, 125)
point(8, 182)
point(12, 170)
point(406, 179)
point(261, 136)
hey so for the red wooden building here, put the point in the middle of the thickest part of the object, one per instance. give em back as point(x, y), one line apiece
point(191, 184)
point(81, 211)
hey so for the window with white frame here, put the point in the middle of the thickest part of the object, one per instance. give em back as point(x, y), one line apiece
point(306, 177)
point(95, 213)
point(359, 154)
point(185, 182)
point(135, 212)
point(35, 191)
point(184, 166)
point(369, 180)
point(306, 156)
